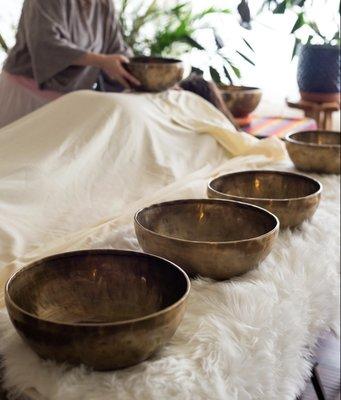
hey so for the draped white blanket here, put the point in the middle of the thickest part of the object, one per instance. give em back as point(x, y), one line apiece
point(88, 157)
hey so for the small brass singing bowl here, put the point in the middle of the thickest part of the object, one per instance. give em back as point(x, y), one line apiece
point(156, 73)
point(106, 309)
point(212, 238)
point(292, 197)
point(315, 151)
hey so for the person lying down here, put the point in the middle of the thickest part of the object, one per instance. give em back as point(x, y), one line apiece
point(88, 155)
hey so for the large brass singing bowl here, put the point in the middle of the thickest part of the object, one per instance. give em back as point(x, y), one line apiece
point(213, 238)
point(293, 198)
point(315, 151)
point(106, 309)
point(156, 73)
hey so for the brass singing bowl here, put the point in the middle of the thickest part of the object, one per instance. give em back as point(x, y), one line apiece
point(292, 197)
point(240, 100)
point(106, 309)
point(213, 238)
point(315, 151)
point(156, 73)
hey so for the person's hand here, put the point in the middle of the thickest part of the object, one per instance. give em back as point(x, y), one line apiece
point(112, 65)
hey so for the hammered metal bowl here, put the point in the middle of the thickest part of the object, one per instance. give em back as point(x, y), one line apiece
point(241, 100)
point(213, 238)
point(293, 198)
point(156, 73)
point(106, 309)
point(315, 151)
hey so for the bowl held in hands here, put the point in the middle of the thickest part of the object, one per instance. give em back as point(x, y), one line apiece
point(156, 74)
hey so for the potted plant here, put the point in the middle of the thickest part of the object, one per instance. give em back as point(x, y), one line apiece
point(153, 28)
point(157, 30)
point(318, 71)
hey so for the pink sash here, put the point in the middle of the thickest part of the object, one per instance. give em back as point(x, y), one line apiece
point(31, 85)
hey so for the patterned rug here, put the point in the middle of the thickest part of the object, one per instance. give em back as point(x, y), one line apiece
point(277, 126)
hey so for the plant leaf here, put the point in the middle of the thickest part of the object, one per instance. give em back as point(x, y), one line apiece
point(178, 8)
point(310, 37)
point(236, 71)
point(299, 3)
point(315, 28)
point(197, 71)
point(336, 35)
point(227, 74)
point(211, 10)
point(218, 40)
point(248, 45)
point(294, 50)
point(151, 13)
point(124, 4)
point(234, 68)
point(266, 3)
point(193, 43)
point(245, 58)
point(299, 22)
point(215, 75)
point(3, 44)
point(281, 8)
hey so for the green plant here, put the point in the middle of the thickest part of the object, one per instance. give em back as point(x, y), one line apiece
point(3, 44)
point(153, 29)
point(306, 29)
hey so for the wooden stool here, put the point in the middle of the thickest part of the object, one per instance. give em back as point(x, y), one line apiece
point(320, 112)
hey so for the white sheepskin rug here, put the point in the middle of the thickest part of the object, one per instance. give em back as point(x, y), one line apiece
point(248, 338)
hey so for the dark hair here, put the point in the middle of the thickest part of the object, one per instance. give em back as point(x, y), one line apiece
point(209, 91)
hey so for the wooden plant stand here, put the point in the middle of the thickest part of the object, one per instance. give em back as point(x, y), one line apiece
point(320, 112)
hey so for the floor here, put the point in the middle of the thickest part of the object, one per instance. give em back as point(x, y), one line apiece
point(328, 358)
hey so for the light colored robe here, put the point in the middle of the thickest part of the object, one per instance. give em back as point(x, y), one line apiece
point(52, 34)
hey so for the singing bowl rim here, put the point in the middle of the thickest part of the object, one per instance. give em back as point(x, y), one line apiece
point(181, 300)
point(308, 178)
point(232, 89)
point(205, 242)
point(288, 139)
point(167, 60)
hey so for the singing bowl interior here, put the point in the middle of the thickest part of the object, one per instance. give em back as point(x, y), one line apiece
point(205, 221)
point(156, 73)
point(91, 296)
point(271, 185)
point(291, 197)
point(315, 151)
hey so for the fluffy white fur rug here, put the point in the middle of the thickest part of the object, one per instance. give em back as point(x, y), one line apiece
point(245, 339)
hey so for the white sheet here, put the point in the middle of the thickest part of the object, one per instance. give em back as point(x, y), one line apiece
point(86, 157)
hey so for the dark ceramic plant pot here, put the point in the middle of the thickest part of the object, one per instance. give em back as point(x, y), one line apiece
point(318, 75)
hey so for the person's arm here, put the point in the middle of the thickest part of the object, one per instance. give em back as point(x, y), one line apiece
point(111, 64)
point(52, 50)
